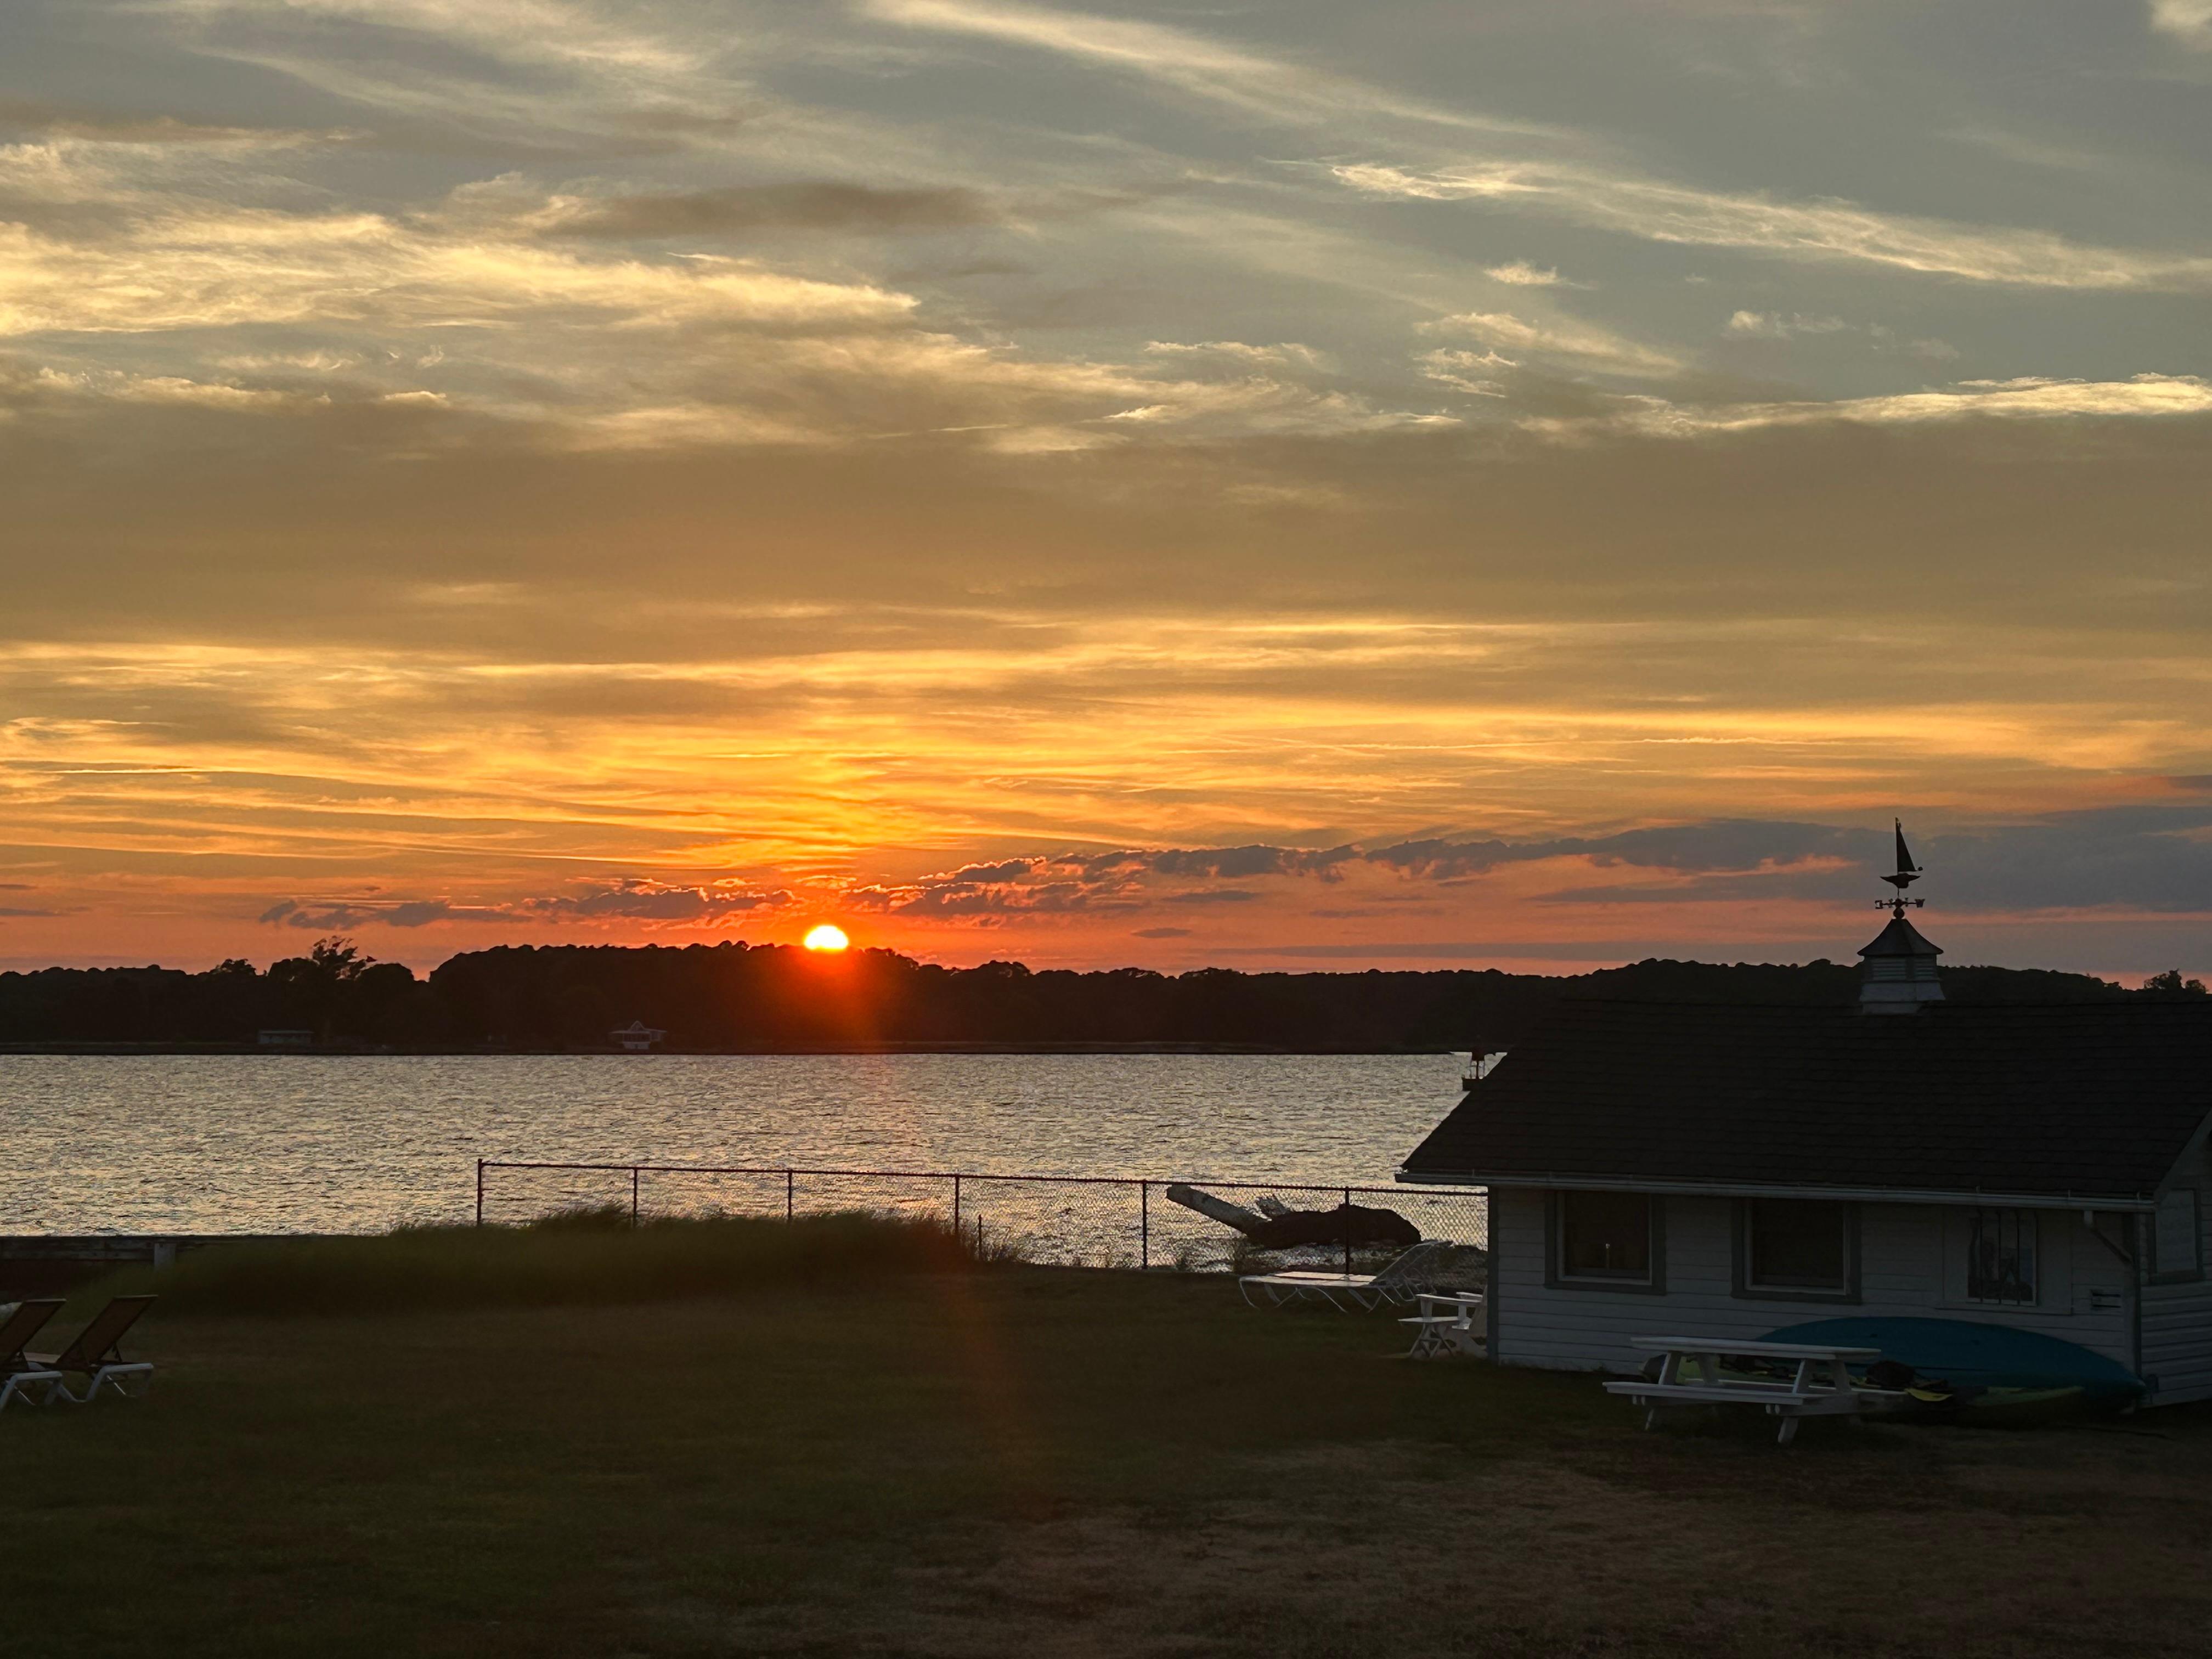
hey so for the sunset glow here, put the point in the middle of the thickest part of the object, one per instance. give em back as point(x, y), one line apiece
point(1089, 486)
point(826, 937)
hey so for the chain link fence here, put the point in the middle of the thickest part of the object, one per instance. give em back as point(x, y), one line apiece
point(1086, 1221)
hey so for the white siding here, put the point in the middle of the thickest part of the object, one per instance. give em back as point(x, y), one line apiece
point(1907, 1266)
point(2177, 1319)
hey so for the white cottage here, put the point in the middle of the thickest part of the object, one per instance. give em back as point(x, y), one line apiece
point(1738, 1172)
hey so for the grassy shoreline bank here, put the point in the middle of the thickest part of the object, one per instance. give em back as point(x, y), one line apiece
point(486, 1051)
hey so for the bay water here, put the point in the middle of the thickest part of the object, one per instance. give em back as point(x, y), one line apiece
point(301, 1143)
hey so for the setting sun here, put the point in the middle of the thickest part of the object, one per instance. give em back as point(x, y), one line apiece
point(827, 937)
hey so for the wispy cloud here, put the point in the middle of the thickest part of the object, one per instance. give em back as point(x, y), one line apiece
point(2151, 858)
point(1475, 374)
point(219, 269)
point(555, 31)
point(814, 206)
point(1663, 212)
point(1778, 326)
point(2189, 22)
point(565, 339)
point(1774, 326)
point(522, 76)
point(2144, 396)
point(2142, 860)
point(46, 119)
point(51, 385)
point(1286, 354)
point(1576, 341)
point(629, 900)
point(1521, 274)
point(1255, 85)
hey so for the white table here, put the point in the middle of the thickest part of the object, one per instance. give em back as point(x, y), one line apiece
point(1449, 1323)
point(1820, 1383)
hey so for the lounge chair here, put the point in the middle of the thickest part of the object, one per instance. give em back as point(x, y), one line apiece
point(18, 1372)
point(97, 1354)
point(1404, 1278)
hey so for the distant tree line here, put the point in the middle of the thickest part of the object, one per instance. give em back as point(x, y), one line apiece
point(732, 996)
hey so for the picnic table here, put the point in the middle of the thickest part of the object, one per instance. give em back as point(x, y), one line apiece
point(1449, 1323)
point(1819, 1383)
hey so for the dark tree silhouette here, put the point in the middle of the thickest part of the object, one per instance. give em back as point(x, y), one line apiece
point(2170, 984)
point(733, 996)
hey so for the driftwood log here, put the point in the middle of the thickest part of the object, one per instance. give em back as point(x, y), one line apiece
point(1347, 1224)
point(1215, 1209)
point(1282, 1229)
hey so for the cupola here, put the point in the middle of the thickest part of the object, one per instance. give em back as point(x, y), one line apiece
point(1897, 969)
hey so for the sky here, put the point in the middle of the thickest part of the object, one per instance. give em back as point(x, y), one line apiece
point(1535, 484)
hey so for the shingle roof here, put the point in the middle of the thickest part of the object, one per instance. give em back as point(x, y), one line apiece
point(2082, 1100)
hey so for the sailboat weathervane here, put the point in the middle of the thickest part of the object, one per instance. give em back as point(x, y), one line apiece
point(1896, 971)
point(1907, 873)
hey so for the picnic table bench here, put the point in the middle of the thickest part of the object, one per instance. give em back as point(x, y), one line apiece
point(1819, 1383)
point(1449, 1323)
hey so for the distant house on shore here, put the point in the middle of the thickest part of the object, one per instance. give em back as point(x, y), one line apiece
point(1738, 1172)
point(285, 1039)
point(636, 1037)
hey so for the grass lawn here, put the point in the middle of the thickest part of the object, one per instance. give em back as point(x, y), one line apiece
point(1033, 1462)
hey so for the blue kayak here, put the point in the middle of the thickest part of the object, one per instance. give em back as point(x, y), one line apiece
point(1973, 1355)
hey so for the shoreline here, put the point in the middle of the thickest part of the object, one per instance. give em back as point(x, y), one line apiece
point(348, 1050)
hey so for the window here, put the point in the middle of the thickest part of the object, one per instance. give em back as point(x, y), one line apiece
point(2001, 1257)
point(1607, 1238)
point(1797, 1247)
point(2176, 1245)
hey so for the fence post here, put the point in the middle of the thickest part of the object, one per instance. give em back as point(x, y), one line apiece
point(955, 1209)
point(480, 1163)
point(633, 1195)
point(1347, 1230)
point(1145, 1224)
point(788, 1184)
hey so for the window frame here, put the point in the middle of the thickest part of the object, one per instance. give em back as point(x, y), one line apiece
point(2031, 1216)
point(1555, 1240)
point(1745, 1290)
point(2193, 1273)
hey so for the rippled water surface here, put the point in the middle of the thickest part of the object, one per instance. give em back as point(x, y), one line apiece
point(281, 1143)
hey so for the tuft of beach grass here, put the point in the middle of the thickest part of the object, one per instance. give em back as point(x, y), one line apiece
point(588, 1256)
